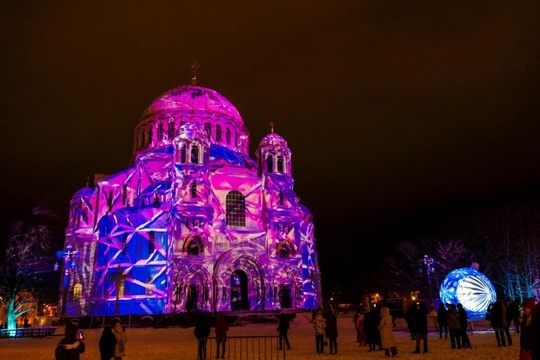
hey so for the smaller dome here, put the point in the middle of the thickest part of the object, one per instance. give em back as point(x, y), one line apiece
point(273, 139)
point(190, 131)
point(84, 192)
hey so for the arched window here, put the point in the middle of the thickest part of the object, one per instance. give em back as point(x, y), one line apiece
point(77, 291)
point(269, 164)
point(280, 164)
point(143, 139)
point(218, 133)
point(193, 189)
point(284, 251)
point(151, 242)
point(208, 129)
point(228, 136)
point(195, 154)
point(183, 154)
point(124, 243)
point(193, 247)
point(170, 133)
point(235, 209)
point(160, 132)
point(150, 135)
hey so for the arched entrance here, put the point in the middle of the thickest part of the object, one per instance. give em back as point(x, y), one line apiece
point(285, 298)
point(239, 291)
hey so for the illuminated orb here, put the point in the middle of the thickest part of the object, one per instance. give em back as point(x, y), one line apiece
point(469, 287)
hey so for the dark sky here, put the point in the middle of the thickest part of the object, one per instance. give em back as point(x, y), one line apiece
point(399, 114)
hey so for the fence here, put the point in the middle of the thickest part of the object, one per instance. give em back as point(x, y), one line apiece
point(34, 331)
point(247, 348)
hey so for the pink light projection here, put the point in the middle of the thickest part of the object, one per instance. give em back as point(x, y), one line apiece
point(194, 224)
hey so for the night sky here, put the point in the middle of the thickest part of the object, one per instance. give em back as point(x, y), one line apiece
point(399, 114)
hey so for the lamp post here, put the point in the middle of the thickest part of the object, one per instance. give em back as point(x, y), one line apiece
point(69, 257)
point(429, 268)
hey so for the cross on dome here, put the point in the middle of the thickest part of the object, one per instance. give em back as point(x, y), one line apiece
point(194, 65)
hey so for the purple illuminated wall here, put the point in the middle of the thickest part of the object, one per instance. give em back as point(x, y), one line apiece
point(195, 224)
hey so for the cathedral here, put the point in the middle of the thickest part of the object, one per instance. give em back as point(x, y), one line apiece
point(195, 223)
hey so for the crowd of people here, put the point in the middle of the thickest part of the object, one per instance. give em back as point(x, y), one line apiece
point(374, 329)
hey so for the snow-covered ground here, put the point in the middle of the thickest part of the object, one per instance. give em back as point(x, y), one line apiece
point(179, 343)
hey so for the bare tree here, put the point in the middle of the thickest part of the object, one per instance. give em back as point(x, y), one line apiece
point(513, 237)
point(27, 264)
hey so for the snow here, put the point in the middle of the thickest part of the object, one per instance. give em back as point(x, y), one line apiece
point(179, 343)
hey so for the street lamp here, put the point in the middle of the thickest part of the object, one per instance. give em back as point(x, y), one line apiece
point(429, 268)
point(69, 257)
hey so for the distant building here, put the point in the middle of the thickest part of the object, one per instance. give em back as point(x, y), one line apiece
point(195, 224)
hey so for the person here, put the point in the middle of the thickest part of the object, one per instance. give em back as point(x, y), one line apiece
point(528, 335)
point(319, 325)
point(371, 321)
point(495, 311)
point(513, 314)
point(121, 340)
point(107, 342)
point(359, 325)
point(201, 332)
point(454, 327)
point(442, 320)
point(331, 332)
point(409, 318)
point(463, 327)
point(432, 317)
point(386, 329)
point(506, 323)
point(355, 322)
point(420, 326)
point(283, 329)
point(73, 341)
point(221, 328)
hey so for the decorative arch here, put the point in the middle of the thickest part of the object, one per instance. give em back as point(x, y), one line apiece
point(191, 288)
point(193, 245)
point(236, 262)
point(286, 286)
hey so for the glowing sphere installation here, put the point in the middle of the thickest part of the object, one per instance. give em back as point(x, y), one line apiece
point(469, 287)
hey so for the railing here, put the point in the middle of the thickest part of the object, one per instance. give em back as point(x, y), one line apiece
point(246, 348)
point(34, 331)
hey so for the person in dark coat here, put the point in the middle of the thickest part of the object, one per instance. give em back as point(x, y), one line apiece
point(283, 330)
point(201, 332)
point(463, 325)
point(454, 327)
point(442, 320)
point(495, 312)
point(73, 341)
point(221, 328)
point(409, 318)
point(420, 326)
point(331, 331)
point(529, 332)
point(513, 315)
point(107, 341)
point(371, 321)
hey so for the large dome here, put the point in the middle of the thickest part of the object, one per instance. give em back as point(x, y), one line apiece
point(193, 98)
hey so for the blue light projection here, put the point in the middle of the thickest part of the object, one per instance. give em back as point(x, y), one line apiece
point(469, 287)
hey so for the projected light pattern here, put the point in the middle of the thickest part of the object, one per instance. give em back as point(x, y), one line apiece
point(195, 224)
point(469, 287)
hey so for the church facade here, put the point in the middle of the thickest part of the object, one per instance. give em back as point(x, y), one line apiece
point(195, 223)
